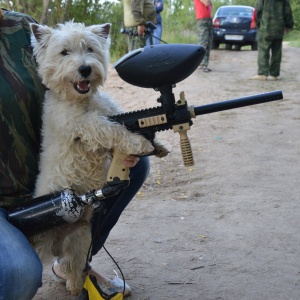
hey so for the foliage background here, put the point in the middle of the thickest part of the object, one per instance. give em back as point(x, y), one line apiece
point(178, 16)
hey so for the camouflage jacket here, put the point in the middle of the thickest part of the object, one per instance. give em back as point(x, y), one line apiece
point(272, 17)
point(21, 94)
point(137, 12)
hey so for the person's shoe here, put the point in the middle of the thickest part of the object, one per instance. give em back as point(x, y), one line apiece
point(206, 69)
point(273, 78)
point(259, 77)
point(110, 285)
point(115, 285)
point(55, 276)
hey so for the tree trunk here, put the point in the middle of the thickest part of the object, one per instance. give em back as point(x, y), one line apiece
point(65, 11)
point(44, 17)
point(7, 2)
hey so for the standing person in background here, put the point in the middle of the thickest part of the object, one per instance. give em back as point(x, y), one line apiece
point(155, 37)
point(136, 14)
point(274, 18)
point(203, 11)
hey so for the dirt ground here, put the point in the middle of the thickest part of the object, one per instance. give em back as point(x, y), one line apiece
point(227, 228)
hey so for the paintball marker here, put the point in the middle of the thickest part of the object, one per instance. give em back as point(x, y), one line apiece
point(159, 67)
point(150, 26)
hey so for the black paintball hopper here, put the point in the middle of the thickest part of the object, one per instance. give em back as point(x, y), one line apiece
point(159, 65)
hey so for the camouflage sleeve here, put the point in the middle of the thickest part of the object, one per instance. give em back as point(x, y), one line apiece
point(288, 15)
point(21, 94)
point(137, 10)
point(259, 10)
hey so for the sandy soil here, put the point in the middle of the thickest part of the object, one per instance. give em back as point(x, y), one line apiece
point(229, 227)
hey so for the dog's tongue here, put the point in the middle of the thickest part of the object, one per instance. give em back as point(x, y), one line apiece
point(83, 85)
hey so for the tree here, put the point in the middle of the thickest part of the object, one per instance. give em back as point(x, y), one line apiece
point(46, 4)
point(296, 12)
point(244, 2)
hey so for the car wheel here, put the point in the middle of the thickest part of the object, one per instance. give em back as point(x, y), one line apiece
point(228, 46)
point(215, 45)
point(237, 47)
point(254, 46)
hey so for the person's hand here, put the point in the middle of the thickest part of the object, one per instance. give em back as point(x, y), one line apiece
point(131, 161)
point(206, 2)
point(141, 30)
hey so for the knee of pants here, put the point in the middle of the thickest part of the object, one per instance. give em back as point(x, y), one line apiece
point(141, 171)
point(20, 266)
point(21, 277)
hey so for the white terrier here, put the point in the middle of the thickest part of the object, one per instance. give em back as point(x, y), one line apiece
point(77, 135)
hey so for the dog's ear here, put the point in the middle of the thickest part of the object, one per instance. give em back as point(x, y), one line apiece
point(106, 29)
point(101, 30)
point(40, 32)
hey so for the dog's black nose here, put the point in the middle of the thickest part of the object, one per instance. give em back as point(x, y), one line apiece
point(85, 71)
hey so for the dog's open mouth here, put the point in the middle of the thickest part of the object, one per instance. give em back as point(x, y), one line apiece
point(82, 86)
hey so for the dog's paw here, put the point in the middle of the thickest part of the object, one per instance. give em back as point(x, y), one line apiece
point(74, 287)
point(147, 147)
point(138, 145)
point(160, 149)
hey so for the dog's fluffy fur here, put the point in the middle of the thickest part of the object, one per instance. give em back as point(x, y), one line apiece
point(77, 136)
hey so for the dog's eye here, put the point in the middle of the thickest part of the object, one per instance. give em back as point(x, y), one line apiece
point(64, 52)
point(90, 50)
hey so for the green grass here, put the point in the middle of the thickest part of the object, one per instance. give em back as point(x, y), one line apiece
point(180, 37)
point(293, 38)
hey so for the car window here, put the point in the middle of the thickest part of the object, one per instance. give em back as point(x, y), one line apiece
point(235, 11)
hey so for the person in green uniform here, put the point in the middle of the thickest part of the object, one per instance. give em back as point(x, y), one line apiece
point(136, 14)
point(274, 18)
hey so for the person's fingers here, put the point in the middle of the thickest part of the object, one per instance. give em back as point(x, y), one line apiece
point(131, 161)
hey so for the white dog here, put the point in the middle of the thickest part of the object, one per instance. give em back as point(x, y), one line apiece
point(77, 137)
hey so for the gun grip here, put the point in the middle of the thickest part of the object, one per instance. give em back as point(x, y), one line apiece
point(186, 149)
point(118, 171)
